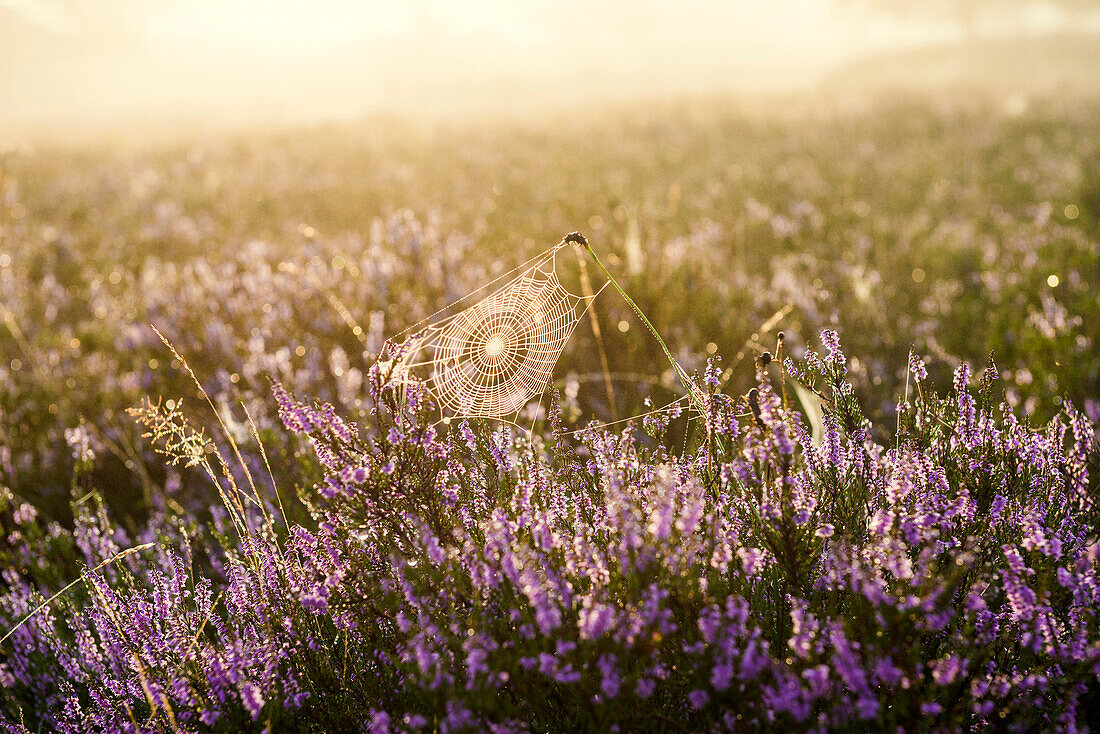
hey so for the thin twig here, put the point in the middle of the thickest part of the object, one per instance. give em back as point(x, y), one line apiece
point(586, 287)
point(263, 453)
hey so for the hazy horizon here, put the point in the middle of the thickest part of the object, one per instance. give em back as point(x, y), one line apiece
point(69, 65)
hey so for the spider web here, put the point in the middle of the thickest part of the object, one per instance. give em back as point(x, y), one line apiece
point(491, 359)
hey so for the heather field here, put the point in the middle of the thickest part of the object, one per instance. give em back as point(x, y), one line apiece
point(873, 507)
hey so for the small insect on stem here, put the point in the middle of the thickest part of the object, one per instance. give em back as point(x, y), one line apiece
point(753, 398)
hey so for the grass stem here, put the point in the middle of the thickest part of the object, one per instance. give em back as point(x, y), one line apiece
point(690, 387)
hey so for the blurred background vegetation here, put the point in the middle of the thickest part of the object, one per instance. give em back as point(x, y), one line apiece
point(279, 188)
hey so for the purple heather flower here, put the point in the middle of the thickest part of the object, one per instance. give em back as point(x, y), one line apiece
point(817, 677)
point(721, 675)
point(916, 367)
point(611, 682)
point(751, 560)
point(379, 723)
point(946, 671)
point(713, 375)
point(253, 700)
point(962, 377)
point(835, 356)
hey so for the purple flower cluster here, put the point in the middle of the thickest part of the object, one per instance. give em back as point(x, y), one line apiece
point(478, 579)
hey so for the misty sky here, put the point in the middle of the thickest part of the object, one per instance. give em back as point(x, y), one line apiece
point(103, 59)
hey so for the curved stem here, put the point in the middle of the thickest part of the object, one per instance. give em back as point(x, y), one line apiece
point(689, 387)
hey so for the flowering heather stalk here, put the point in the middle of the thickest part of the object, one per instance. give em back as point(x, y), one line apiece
point(479, 580)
